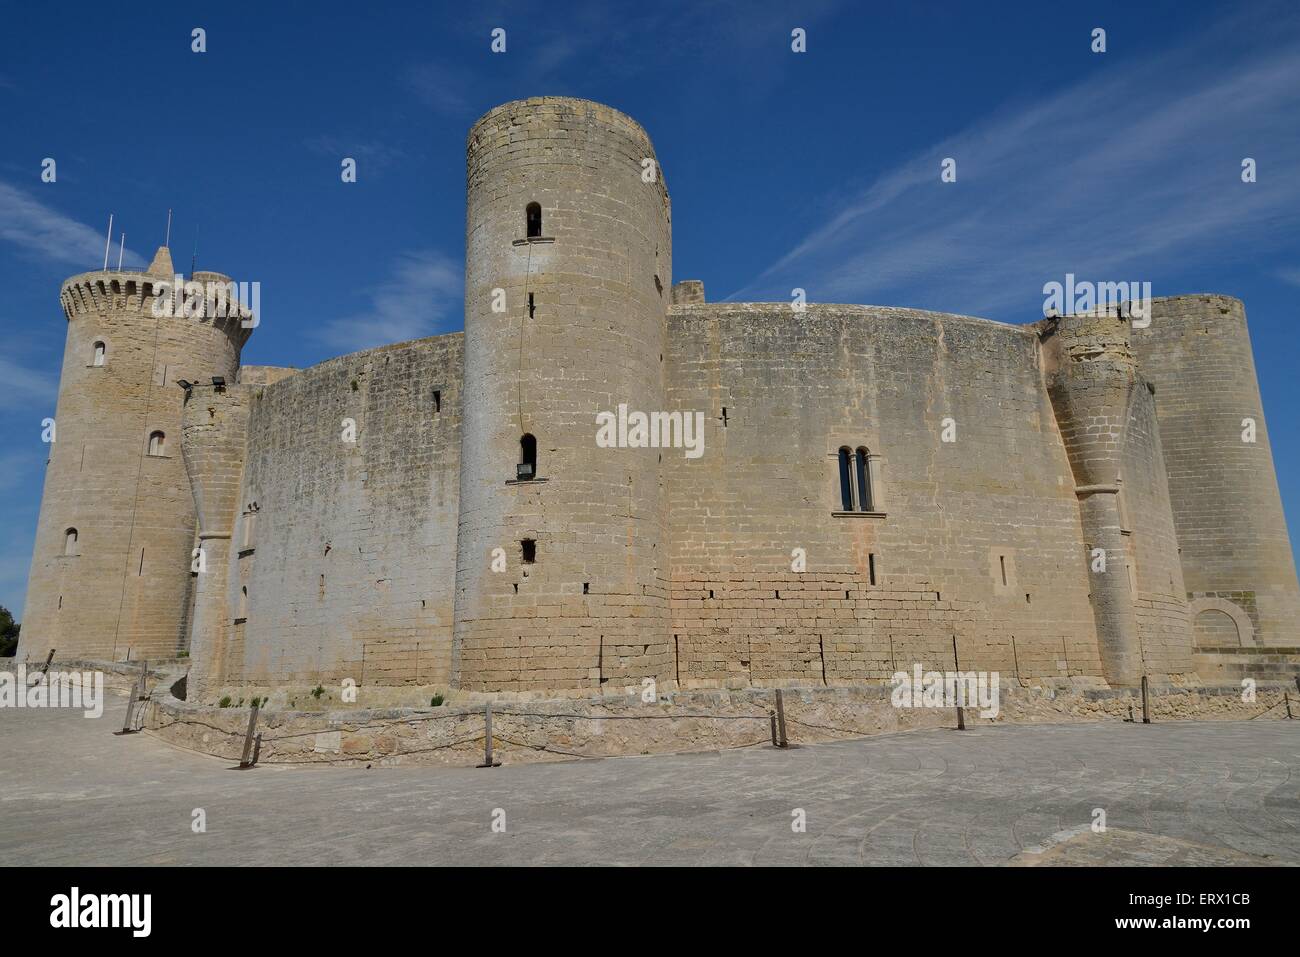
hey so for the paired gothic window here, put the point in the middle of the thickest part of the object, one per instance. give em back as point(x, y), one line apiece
point(156, 443)
point(855, 480)
point(533, 215)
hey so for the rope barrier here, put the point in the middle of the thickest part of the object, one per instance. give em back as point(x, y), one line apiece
point(826, 727)
point(412, 720)
point(638, 717)
point(1271, 707)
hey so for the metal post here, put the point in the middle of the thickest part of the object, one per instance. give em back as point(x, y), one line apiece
point(257, 749)
point(772, 718)
point(137, 692)
point(130, 706)
point(45, 668)
point(782, 740)
point(244, 761)
point(1146, 706)
point(956, 684)
point(1287, 698)
point(488, 762)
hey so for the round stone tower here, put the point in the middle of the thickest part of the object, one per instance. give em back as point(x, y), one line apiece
point(560, 577)
point(1091, 379)
point(110, 570)
point(1237, 561)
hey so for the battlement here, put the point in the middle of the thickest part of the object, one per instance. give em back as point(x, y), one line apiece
point(100, 293)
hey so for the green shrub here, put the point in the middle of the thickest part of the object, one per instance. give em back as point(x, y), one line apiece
point(224, 702)
point(436, 701)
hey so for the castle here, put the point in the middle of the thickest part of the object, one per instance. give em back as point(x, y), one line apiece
point(1073, 500)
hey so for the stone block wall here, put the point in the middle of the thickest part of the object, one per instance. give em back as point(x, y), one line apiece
point(1226, 504)
point(344, 556)
point(977, 539)
point(1151, 557)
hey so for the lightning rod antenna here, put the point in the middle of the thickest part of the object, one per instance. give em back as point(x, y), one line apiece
point(108, 241)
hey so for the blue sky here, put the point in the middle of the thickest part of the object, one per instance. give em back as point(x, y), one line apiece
point(817, 170)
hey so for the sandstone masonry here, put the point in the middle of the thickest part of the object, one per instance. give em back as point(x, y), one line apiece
point(878, 487)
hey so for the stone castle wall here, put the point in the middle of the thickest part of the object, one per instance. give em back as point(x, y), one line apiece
point(400, 558)
point(347, 550)
point(1236, 553)
point(782, 392)
point(1151, 545)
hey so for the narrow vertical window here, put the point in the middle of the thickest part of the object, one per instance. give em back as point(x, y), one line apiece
point(156, 440)
point(864, 482)
point(528, 550)
point(527, 458)
point(846, 482)
point(533, 215)
point(70, 542)
point(1002, 563)
point(97, 356)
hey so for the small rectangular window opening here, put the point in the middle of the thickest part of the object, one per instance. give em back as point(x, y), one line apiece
point(871, 567)
point(437, 400)
point(1002, 562)
point(528, 547)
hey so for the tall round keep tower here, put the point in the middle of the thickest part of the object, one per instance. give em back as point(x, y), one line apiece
point(560, 574)
point(1237, 560)
point(110, 570)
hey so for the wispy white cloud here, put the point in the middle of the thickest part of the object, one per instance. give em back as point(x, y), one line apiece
point(576, 49)
point(371, 156)
point(25, 388)
point(440, 88)
point(42, 232)
point(1112, 179)
point(422, 297)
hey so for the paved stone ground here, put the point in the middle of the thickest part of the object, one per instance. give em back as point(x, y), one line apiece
point(1174, 793)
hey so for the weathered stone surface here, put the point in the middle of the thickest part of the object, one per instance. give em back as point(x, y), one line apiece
point(364, 524)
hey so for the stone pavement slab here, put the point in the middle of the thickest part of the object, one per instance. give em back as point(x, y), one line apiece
point(1174, 793)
